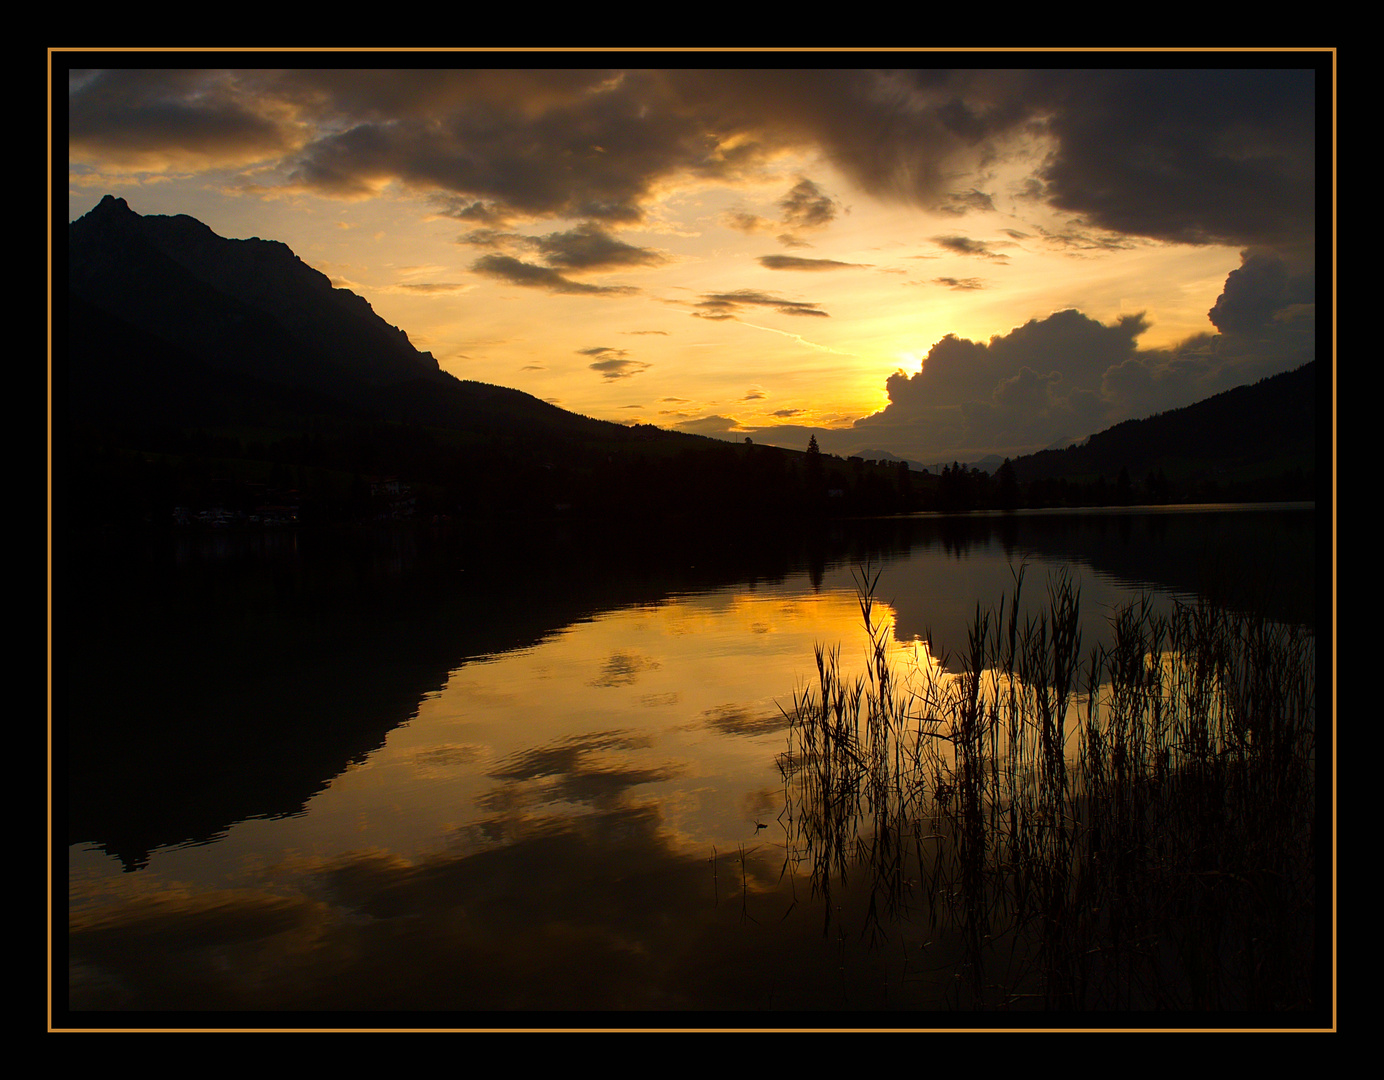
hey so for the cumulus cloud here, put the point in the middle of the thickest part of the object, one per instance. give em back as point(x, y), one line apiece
point(1262, 290)
point(1017, 390)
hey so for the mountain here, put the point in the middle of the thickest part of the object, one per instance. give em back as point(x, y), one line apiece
point(198, 374)
point(247, 306)
point(170, 323)
point(988, 464)
point(1265, 430)
point(204, 379)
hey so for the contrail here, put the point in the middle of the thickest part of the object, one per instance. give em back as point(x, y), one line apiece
point(798, 338)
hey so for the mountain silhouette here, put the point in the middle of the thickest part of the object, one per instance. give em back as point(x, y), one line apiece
point(202, 371)
point(166, 318)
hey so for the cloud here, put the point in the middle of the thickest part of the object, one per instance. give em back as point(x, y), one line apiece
point(1166, 154)
point(165, 120)
point(1078, 239)
point(729, 304)
point(1258, 292)
point(529, 275)
point(793, 262)
point(614, 363)
point(588, 247)
point(961, 203)
point(1012, 391)
point(746, 222)
point(806, 206)
point(959, 283)
point(432, 286)
point(1193, 156)
point(491, 238)
point(722, 426)
point(964, 245)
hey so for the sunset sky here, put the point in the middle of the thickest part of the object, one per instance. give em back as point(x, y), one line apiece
point(942, 262)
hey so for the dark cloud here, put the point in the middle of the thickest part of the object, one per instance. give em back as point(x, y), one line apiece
point(964, 245)
point(959, 283)
point(1260, 291)
point(491, 238)
point(588, 247)
point(724, 426)
point(964, 202)
point(586, 145)
point(1188, 154)
point(806, 206)
point(728, 305)
point(470, 210)
point(531, 276)
point(431, 286)
point(614, 363)
point(1079, 240)
point(136, 117)
point(793, 262)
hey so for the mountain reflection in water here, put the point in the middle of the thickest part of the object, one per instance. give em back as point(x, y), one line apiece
point(411, 771)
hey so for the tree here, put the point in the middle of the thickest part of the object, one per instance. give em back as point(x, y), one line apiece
point(1009, 486)
point(815, 479)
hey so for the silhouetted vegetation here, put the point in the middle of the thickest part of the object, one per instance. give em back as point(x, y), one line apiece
point(1137, 832)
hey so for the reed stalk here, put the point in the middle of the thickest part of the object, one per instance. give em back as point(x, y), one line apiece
point(1131, 833)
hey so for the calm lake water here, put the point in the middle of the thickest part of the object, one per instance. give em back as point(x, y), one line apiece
point(418, 772)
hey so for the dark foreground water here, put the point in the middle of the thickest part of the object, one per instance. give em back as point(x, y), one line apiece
point(451, 779)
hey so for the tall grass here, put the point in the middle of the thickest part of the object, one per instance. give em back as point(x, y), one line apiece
point(1131, 831)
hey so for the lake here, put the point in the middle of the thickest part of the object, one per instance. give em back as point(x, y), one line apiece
point(449, 779)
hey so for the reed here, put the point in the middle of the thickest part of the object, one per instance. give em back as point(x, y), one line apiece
point(1131, 832)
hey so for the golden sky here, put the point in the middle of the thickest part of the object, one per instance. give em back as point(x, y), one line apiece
point(940, 262)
